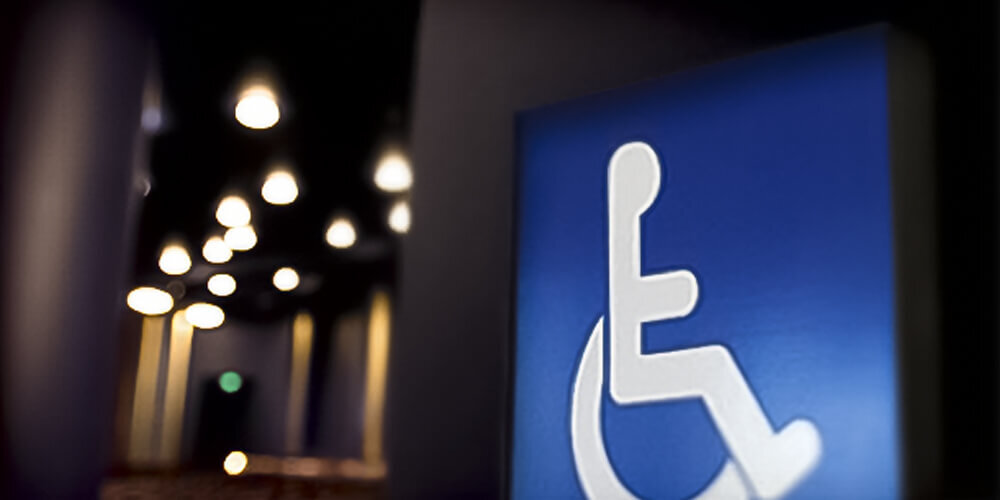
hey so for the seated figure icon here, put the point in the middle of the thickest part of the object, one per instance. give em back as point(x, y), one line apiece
point(763, 462)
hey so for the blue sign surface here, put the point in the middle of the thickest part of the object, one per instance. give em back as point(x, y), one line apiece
point(770, 224)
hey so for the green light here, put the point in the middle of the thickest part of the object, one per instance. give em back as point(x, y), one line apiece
point(230, 382)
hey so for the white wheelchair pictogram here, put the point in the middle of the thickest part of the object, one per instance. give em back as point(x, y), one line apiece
point(762, 463)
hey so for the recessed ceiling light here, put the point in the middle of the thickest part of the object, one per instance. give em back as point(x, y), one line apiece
point(174, 260)
point(149, 301)
point(204, 315)
point(240, 238)
point(279, 188)
point(222, 285)
point(216, 251)
point(233, 211)
point(285, 279)
point(341, 233)
point(399, 217)
point(393, 173)
point(257, 108)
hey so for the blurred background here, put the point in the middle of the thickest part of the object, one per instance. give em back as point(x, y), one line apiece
point(263, 250)
point(221, 192)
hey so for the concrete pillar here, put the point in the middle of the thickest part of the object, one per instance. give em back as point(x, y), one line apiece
point(67, 181)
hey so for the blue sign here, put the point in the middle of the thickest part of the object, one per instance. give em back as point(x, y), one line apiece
point(705, 303)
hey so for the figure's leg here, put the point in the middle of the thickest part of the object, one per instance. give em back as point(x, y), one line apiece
point(597, 476)
point(773, 462)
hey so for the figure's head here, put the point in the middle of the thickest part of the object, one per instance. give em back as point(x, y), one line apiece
point(633, 177)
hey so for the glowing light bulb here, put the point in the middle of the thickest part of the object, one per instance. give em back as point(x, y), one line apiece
point(221, 285)
point(241, 238)
point(149, 301)
point(235, 463)
point(341, 233)
point(399, 217)
point(205, 316)
point(233, 211)
point(257, 108)
point(393, 173)
point(174, 260)
point(285, 279)
point(279, 188)
point(216, 250)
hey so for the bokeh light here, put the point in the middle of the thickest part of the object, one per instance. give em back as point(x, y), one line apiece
point(279, 188)
point(236, 462)
point(393, 173)
point(233, 211)
point(285, 279)
point(222, 285)
point(174, 260)
point(204, 315)
point(216, 251)
point(341, 233)
point(152, 119)
point(149, 301)
point(241, 238)
point(230, 381)
point(399, 217)
point(257, 108)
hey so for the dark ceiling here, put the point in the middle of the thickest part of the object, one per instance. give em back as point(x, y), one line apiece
point(343, 72)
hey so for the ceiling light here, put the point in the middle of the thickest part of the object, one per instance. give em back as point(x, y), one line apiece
point(399, 217)
point(257, 108)
point(241, 238)
point(233, 211)
point(393, 173)
point(216, 250)
point(149, 301)
point(285, 279)
point(222, 285)
point(205, 316)
point(174, 260)
point(279, 188)
point(341, 233)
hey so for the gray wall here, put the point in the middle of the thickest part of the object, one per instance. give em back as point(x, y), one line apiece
point(478, 63)
point(340, 403)
point(261, 353)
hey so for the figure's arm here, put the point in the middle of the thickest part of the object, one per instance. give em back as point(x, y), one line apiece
point(666, 296)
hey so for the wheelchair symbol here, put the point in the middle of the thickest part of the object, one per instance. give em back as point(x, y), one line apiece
point(763, 462)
